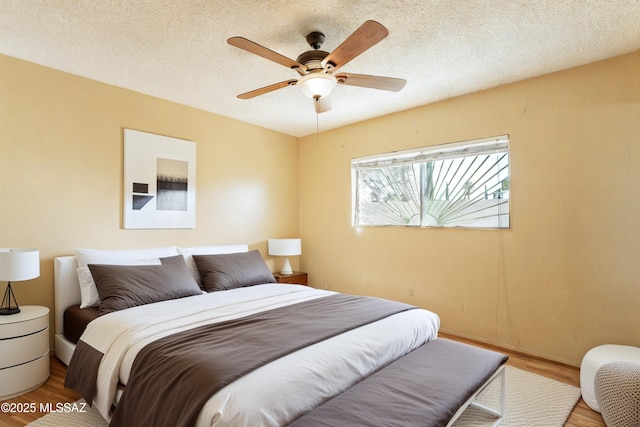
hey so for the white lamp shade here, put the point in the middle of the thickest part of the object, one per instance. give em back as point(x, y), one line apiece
point(317, 85)
point(19, 264)
point(285, 247)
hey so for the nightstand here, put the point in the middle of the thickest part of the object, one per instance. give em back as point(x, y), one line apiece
point(297, 277)
point(24, 351)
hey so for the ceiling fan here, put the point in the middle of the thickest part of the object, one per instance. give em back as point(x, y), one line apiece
point(319, 69)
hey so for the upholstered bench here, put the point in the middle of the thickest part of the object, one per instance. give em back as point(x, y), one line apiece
point(595, 359)
point(439, 380)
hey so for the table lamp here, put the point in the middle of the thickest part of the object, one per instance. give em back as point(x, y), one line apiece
point(285, 248)
point(17, 264)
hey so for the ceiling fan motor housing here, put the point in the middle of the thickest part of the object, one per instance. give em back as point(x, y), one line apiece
point(312, 59)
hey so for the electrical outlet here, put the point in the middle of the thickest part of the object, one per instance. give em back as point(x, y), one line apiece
point(410, 292)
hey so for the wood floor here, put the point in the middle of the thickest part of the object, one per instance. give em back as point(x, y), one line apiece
point(54, 392)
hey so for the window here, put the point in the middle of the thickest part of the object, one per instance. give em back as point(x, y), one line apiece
point(453, 185)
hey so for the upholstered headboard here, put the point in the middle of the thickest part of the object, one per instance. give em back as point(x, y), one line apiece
point(66, 288)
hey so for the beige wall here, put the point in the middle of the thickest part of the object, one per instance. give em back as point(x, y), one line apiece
point(61, 168)
point(565, 278)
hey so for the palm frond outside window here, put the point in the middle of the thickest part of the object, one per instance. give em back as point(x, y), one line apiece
point(452, 185)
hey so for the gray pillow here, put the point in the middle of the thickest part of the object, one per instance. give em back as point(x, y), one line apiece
point(228, 271)
point(125, 286)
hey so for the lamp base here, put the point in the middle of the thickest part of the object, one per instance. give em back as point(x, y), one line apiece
point(5, 311)
point(286, 268)
point(6, 308)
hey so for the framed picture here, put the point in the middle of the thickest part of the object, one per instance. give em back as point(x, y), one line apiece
point(159, 181)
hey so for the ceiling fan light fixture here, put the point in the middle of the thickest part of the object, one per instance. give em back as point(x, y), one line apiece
point(317, 85)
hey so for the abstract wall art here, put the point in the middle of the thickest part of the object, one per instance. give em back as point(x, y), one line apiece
point(159, 181)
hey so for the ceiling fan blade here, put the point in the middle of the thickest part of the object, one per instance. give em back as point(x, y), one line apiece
point(367, 35)
point(267, 89)
point(322, 104)
point(256, 49)
point(374, 82)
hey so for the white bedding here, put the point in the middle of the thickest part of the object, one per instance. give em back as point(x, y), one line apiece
point(297, 382)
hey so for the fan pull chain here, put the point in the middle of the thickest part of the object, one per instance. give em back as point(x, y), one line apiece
point(316, 105)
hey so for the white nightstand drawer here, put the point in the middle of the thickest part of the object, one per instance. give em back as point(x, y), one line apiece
point(23, 349)
point(24, 378)
point(30, 319)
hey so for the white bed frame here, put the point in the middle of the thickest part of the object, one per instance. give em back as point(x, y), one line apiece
point(66, 291)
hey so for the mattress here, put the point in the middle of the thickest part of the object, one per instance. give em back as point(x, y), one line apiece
point(76, 320)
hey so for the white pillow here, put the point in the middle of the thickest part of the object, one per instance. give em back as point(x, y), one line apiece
point(188, 253)
point(88, 292)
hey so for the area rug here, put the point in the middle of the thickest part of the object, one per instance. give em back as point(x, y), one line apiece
point(531, 400)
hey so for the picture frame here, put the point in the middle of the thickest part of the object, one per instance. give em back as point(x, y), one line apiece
point(159, 181)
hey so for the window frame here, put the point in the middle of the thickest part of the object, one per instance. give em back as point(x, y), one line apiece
point(424, 155)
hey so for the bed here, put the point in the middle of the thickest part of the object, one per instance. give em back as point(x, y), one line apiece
point(297, 348)
point(303, 377)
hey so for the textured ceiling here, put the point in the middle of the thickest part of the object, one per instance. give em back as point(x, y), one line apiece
point(177, 50)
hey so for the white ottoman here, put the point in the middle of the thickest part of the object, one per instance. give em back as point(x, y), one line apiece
point(595, 359)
